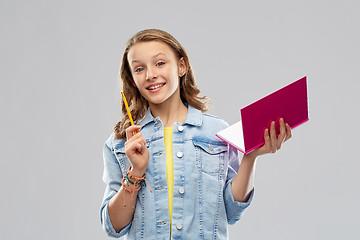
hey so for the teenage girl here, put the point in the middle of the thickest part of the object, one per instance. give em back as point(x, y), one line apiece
point(169, 176)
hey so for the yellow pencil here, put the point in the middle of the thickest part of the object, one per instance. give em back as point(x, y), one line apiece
point(127, 109)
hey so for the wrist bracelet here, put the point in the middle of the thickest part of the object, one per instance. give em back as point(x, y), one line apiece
point(138, 181)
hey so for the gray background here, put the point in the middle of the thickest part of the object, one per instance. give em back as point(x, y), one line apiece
point(60, 99)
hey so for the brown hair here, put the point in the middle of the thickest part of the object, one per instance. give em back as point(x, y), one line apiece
point(137, 103)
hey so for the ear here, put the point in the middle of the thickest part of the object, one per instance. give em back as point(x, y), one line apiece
point(182, 67)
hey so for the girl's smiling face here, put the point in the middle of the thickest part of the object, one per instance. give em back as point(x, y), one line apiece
point(156, 71)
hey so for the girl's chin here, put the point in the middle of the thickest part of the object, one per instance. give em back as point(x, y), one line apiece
point(158, 100)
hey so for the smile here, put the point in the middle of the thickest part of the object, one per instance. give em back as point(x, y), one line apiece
point(155, 86)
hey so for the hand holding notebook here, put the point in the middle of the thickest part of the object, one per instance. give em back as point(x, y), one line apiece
point(289, 103)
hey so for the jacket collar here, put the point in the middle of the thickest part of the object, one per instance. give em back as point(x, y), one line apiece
point(194, 117)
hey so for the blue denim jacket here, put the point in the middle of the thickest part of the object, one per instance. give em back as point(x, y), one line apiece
point(204, 167)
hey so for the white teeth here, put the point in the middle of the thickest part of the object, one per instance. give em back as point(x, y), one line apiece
point(156, 86)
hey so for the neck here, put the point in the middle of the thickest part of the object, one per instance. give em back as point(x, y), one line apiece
point(170, 111)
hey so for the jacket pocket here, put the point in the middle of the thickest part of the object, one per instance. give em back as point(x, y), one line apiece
point(209, 156)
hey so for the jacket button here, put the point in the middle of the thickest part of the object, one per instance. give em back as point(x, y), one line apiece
point(180, 128)
point(180, 154)
point(181, 190)
point(179, 226)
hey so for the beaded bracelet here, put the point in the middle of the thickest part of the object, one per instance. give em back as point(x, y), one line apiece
point(137, 181)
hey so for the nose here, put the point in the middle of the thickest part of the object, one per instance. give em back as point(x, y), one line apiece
point(151, 73)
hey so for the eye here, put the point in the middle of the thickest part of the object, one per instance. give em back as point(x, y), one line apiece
point(160, 63)
point(139, 69)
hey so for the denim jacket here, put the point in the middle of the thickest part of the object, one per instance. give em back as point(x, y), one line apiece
point(204, 166)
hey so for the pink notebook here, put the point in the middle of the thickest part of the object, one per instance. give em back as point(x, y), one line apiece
point(289, 102)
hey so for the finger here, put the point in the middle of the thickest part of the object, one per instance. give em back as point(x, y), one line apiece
point(136, 137)
point(282, 134)
point(130, 131)
point(139, 147)
point(134, 146)
point(273, 136)
point(142, 146)
point(132, 141)
point(144, 141)
point(142, 149)
point(288, 132)
point(267, 139)
point(139, 138)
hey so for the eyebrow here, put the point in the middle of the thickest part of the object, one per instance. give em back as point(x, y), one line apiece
point(155, 56)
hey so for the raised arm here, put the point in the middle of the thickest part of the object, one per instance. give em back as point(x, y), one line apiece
point(120, 207)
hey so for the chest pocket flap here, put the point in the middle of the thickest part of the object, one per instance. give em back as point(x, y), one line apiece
point(211, 148)
point(209, 156)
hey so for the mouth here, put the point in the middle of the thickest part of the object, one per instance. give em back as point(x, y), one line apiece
point(155, 86)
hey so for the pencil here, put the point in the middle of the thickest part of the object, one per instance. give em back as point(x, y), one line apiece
point(127, 109)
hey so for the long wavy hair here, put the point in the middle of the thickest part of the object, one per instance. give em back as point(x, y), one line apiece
point(137, 103)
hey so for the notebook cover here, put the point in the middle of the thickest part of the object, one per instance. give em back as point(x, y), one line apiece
point(289, 102)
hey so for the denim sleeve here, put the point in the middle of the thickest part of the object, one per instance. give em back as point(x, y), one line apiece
point(112, 177)
point(234, 209)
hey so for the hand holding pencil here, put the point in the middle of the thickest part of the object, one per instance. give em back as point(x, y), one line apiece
point(135, 147)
